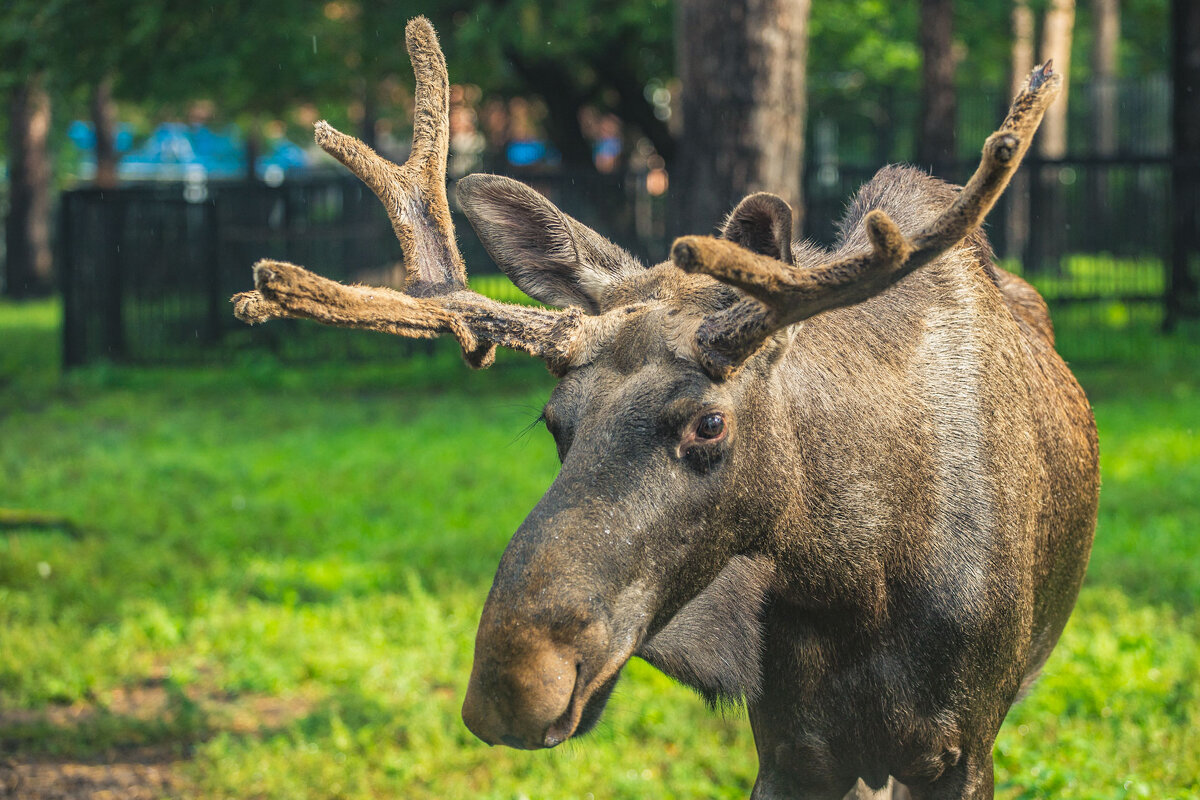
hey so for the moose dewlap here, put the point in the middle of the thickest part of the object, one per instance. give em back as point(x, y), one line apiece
point(854, 490)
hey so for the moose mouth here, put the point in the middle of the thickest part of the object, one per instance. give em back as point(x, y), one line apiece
point(535, 684)
point(584, 719)
point(583, 709)
point(587, 703)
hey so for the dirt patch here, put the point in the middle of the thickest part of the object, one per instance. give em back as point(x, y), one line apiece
point(146, 727)
point(141, 777)
point(153, 700)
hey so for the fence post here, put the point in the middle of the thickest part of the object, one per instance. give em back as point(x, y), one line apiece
point(1183, 289)
point(212, 229)
point(112, 284)
point(1031, 254)
point(72, 326)
point(1180, 299)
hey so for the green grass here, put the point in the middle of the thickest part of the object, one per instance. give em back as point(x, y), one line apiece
point(295, 561)
point(1108, 308)
point(1098, 276)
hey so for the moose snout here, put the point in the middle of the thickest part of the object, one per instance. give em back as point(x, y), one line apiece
point(521, 696)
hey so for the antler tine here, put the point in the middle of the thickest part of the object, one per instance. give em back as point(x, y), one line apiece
point(781, 295)
point(414, 193)
point(477, 322)
point(435, 299)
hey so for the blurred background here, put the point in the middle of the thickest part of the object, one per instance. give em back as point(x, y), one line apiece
point(155, 149)
point(243, 562)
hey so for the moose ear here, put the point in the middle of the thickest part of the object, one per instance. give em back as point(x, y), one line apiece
point(548, 255)
point(762, 223)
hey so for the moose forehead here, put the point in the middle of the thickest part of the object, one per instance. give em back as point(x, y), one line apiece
point(651, 317)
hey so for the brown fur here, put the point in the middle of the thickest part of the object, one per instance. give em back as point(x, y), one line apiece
point(875, 549)
point(786, 296)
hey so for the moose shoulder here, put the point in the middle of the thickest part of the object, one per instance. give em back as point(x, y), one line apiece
point(854, 490)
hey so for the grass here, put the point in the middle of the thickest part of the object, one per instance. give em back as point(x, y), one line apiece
point(280, 571)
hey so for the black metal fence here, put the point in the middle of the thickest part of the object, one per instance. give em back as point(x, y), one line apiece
point(147, 271)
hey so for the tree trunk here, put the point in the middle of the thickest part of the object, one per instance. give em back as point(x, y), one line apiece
point(104, 123)
point(939, 103)
point(1183, 295)
point(1048, 214)
point(1106, 33)
point(1057, 33)
point(1022, 47)
point(29, 264)
point(742, 68)
point(1017, 219)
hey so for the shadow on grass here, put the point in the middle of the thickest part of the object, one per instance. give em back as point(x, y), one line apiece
point(139, 741)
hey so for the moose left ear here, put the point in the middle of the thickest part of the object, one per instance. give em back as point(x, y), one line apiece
point(762, 223)
point(547, 254)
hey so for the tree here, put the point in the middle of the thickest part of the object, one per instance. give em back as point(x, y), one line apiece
point(1017, 218)
point(939, 102)
point(1023, 23)
point(572, 56)
point(1046, 204)
point(190, 51)
point(1057, 34)
point(1106, 33)
point(742, 69)
point(104, 124)
point(25, 55)
point(29, 265)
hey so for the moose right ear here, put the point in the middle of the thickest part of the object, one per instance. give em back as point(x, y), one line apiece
point(762, 223)
point(547, 254)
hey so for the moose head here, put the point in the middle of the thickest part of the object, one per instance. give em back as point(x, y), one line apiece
point(776, 483)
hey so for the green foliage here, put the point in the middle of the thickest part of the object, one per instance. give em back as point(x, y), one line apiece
point(296, 559)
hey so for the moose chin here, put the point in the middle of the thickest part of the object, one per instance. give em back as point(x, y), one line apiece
point(854, 490)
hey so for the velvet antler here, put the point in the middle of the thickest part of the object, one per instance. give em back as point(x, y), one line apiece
point(780, 295)
point(435, 298)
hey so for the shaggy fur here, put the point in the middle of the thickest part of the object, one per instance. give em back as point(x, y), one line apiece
point(860, 503)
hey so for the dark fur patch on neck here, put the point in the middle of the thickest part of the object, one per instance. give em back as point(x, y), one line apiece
point(714, 644)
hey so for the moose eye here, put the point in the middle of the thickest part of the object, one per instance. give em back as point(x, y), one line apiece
point(710, 426)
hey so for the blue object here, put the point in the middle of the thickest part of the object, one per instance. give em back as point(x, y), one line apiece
point(177, 151)
point(83, 136)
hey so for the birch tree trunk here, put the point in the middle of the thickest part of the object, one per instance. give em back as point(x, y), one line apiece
point(742, 68)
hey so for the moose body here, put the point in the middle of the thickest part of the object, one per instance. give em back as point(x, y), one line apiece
point(854, 490)
point(935, 465)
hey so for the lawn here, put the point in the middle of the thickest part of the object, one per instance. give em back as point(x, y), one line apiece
point(276, 573)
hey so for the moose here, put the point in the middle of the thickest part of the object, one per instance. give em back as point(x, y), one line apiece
point(854, 490)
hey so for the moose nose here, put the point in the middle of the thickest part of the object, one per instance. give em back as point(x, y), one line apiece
point(517, 701)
